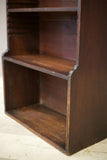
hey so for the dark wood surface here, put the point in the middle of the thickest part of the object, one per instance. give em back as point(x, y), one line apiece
point(41, 3)
point(43, 121)
point(22, 3)
point(23, 33)
point(58, 3)
point(42, 50)
point(58, 35)
point(88, 89)
point(47, 64)
point(21, 90)
point(53, 93)
point(29, 87)
point(54, 9)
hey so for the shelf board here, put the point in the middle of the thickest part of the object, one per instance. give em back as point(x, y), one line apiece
point(42, 121)
point(58, 67)
point(60, 9)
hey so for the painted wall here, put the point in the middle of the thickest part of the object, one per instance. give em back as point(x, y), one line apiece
point(3, 30)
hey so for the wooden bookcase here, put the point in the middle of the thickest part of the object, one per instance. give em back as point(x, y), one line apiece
point(55, 70)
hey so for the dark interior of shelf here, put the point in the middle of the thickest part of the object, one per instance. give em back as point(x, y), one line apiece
point(44, 121)
point(47, 64)
point(33, 87)
point(38, 100)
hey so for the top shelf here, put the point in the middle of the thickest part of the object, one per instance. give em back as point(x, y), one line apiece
point(52, 9)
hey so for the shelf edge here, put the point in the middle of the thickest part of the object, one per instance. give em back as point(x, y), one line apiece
point(18, 10)
point(59, 75)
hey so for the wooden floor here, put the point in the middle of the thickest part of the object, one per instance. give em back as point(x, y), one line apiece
point(47, 64)
point(43, 121)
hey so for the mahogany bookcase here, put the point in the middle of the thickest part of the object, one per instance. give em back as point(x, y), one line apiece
point(55, 70)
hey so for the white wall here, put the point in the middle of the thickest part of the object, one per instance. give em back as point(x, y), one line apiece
point(3, 30)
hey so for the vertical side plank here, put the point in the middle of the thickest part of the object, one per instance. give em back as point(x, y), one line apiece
point(89, 82)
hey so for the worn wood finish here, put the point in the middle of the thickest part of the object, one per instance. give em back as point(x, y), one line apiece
point(44, 121)
point(55, 70)
point(47, 64)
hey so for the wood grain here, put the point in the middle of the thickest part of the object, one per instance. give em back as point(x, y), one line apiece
point(47, 64)
point(43, 121)
point(18, 91)
point(58, 3)
point(53, 93)
point(56, 61)
point(58, 35)
point(88, 98)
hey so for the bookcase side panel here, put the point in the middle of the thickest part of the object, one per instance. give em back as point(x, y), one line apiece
point(21, 86)
point(89, 82)
point(23, 33)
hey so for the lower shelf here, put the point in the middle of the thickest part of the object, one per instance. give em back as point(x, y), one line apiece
point(44, 122)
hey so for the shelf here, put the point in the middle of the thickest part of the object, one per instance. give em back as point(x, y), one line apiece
point(42, 121)
point(58, 67)
point(60, 9)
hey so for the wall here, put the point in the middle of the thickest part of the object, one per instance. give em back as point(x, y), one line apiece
point(3, 31)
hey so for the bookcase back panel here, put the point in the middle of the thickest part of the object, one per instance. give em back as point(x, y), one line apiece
point(58, 3)
point(58, 34)
point(23, 44)
point(22, 3)
point(53, 93)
